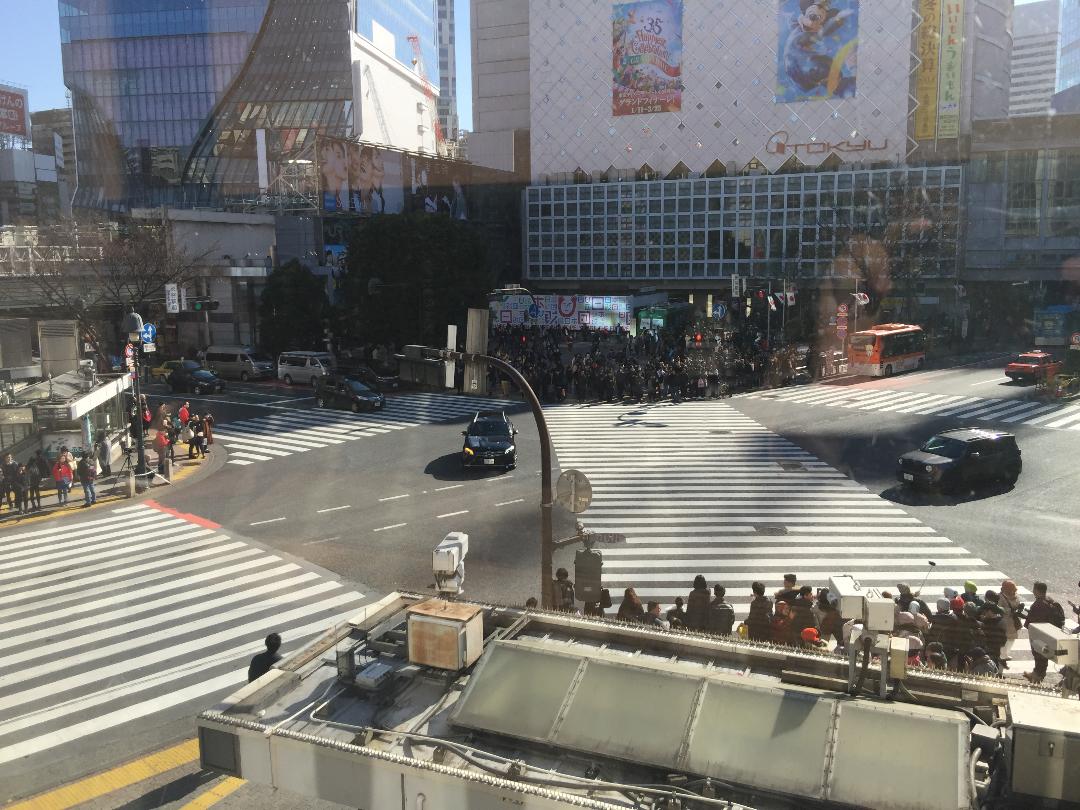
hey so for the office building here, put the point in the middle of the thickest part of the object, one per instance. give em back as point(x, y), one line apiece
point(499, 39)
point(1068, 67)
point(1033, 73)
point(448, 109)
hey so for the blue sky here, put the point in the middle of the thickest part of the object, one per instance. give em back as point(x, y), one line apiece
point(30, 57)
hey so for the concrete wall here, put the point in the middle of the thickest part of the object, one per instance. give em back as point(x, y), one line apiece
point(390, 97)
point(500, 82)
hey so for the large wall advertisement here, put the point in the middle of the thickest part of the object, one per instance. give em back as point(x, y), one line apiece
point(928, 49)
point(646, 62)
point(574, 311)
point(817, 54)
point(364, 179)
point(952, 60)
point(14, 111)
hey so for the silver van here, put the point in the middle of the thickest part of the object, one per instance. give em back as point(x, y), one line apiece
point(304, 367)
point(239, 363)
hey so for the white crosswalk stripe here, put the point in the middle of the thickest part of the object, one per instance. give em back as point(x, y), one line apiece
point(119, 617)
point(285, 432)
point(700, 488)
point(1055, 416)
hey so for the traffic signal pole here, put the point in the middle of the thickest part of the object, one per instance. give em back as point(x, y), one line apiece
point(547, 546)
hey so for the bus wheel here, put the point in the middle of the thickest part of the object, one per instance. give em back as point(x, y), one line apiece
point(888, 371)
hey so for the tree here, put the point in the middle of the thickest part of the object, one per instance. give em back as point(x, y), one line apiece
point(107, 270)
point(293, 310)
point(408, 276)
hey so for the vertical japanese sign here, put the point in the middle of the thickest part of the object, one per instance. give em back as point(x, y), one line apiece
point(817, 50)
point(928, 49)
point(952, 62)
point(646, 57)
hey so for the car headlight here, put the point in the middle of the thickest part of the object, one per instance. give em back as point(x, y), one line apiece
point(468, 451)
point(929, 468)
point(510, 449)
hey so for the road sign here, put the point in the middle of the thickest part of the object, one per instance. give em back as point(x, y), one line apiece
point(735, 287)
point(574, 491)
point(149, 347)
point(129, 351)
point(719, 311)
point(149, 333)
point(172, 298)
point(842, 309)
point(1076, 338)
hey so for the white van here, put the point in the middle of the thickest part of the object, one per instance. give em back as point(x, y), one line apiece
point(304, 367)
point(239, 363)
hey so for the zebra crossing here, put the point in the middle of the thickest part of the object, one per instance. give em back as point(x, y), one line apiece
point(288, 431)
point(1054, 416)
point(700, 488)
point(137, 612)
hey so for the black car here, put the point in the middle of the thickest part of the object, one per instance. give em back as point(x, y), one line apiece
point(346, 391)
point(377, 380)
point(191, 378)
point(489, 441)
point(962, 458)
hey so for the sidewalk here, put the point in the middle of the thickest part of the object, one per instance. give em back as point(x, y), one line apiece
point(111, 490)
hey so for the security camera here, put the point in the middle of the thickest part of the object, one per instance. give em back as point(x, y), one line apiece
point(448, 562)
point(1057, 645)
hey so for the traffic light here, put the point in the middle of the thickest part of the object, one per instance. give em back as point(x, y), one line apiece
point(588, 568)
point(203, 304)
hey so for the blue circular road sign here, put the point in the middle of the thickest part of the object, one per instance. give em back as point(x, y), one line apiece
point(149, 333)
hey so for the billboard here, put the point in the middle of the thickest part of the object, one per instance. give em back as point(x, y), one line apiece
point(817, 54)
point(928, 49)
point(574, 311)
point(952, 60)
point(646, 57)
point(14, 111)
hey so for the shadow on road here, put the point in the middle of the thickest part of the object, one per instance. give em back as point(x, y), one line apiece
point(448, 468)
point(906, 496)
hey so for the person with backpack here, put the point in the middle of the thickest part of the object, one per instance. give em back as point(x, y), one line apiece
point(697, 605)
point(563, 591)
point(721, 615)
point(1043, 610)
point(87, 470)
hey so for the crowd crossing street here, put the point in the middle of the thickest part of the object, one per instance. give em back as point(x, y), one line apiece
point(136, 614)
point(1032, 412)
point(700, 488)
point(288, 430)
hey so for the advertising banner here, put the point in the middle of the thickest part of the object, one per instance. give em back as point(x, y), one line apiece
point(374, 180)
point(647, 52)
point(952, 62)
point(574, 311)
point(928, 49)
point(817, 54)
point(14, 111)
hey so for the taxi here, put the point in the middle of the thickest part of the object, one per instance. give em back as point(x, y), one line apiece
point(1032, 366)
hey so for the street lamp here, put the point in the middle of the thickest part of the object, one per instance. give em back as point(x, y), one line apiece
point(133, 326)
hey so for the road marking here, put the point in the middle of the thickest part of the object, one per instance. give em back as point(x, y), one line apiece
point(324, 540)
point(452, 514)
point(206, 800)
point(102, 784)
point(988, 382)
point(507, 503)
point(393, 498)
point(453, 486)
point(332, 509)
point(388, 528)
point(500, 478)
point(264, 522)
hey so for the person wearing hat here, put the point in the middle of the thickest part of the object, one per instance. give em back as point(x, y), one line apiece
point(991, 619)
point(810, 639)
point(907, 598)
point(979, 663)
point(971, 594)
point(1009, 601)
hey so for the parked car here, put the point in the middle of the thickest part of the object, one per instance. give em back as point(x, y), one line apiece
point(345, 391)
point(191, 378)
point(1032, 366)
point(161, 372)
point(489, 441)
point(304, 367)
point(965, 457)
point(239, 363)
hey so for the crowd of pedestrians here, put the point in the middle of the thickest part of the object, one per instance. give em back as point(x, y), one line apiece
point(968, 632)
point(180, 426)
point(21, 483)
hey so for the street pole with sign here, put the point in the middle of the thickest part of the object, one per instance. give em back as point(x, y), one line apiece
point(133, 325)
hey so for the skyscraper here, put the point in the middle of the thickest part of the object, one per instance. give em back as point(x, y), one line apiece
point(1036, 34)
point(390, 23)
point(1068, 68)
point(448, 109)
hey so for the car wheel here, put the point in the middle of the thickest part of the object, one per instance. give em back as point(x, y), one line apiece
point(320, 402)
point(356, 407)
point(243, 376)
point(288, 379)
point(888, 371)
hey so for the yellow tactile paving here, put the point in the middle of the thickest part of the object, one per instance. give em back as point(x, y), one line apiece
point(215, 794)
point(102, 784)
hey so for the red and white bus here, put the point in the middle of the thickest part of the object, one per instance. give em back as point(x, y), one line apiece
point(887, 349)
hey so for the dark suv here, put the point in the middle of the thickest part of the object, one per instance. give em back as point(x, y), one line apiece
point(962, 458)
point(345, 391)
point(489, 441)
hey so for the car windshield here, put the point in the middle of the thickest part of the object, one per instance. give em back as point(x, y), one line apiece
point(1026, 359)
point(862, 341)
point(489, 427)
point(261, 358)
point(190, 365)
point(945, 446)
point(358, 387)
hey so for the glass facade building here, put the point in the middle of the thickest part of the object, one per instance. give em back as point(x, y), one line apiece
point(793, 226)
point(151, 80)
point(1068, 71)
point(402, 18)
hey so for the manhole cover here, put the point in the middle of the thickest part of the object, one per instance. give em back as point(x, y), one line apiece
point(791, 466)
point(772, 530)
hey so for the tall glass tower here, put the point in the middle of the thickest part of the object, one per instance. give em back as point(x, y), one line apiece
point(1068, 71)
point(167, 94)
point(378, 20)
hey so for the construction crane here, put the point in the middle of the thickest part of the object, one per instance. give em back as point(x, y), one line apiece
point(429, 94)
point(377, 105)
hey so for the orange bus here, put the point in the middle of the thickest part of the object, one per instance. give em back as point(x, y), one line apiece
point(886, 349)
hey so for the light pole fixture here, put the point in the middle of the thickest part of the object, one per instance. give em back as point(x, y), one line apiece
point(133, 326)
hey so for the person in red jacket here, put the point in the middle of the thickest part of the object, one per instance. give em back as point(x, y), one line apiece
point(63, 475)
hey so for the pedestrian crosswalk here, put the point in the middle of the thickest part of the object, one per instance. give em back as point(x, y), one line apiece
point(700, 488)
point(287, 431)
point(1034, 412)
point(136, 612)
